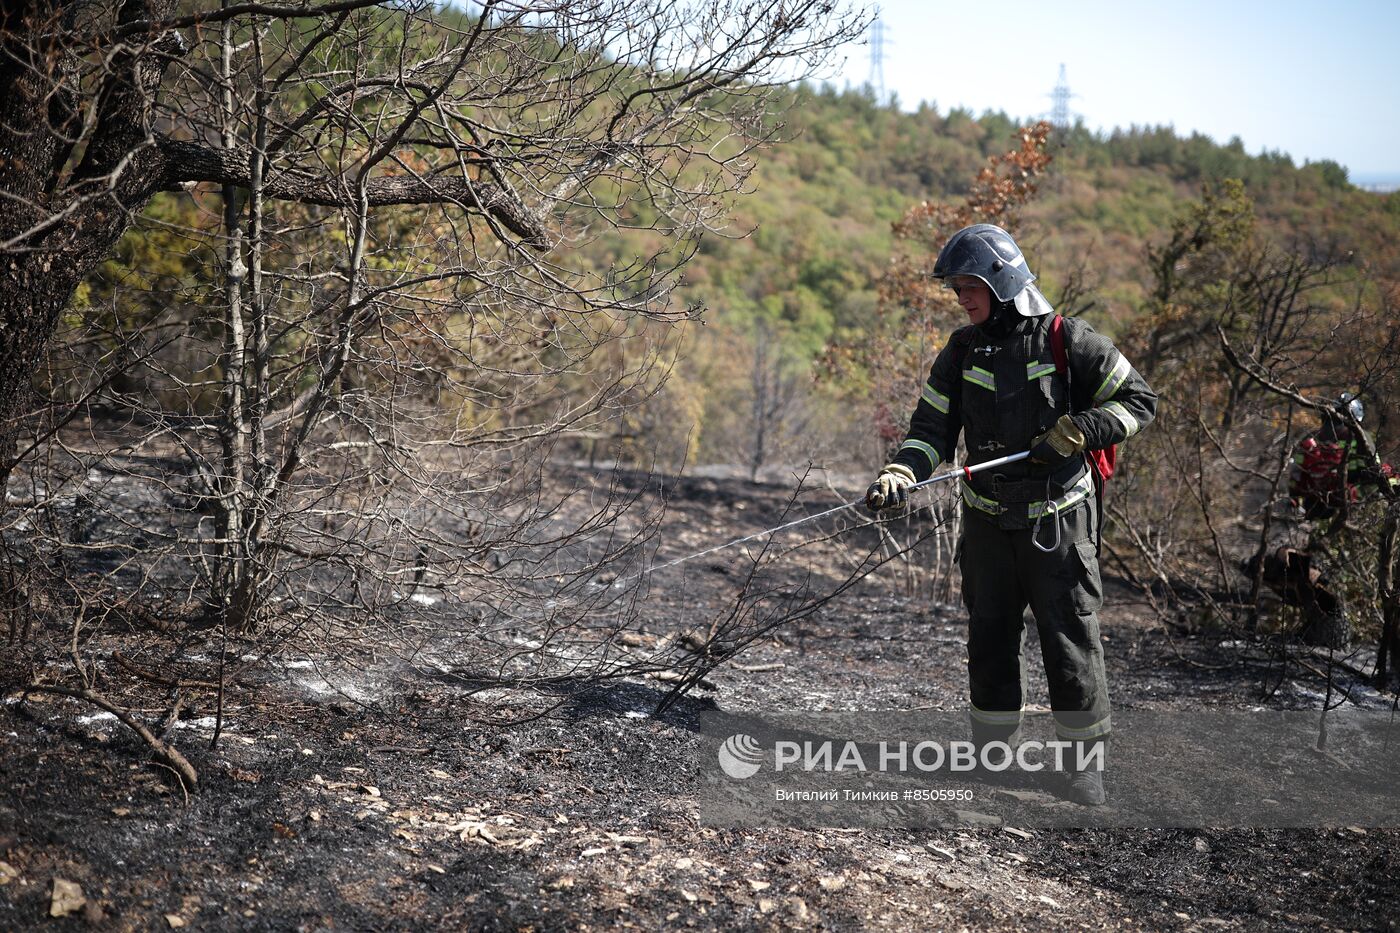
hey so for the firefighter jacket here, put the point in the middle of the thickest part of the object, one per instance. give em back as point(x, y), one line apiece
point(1329, 467)
point(1001, 393)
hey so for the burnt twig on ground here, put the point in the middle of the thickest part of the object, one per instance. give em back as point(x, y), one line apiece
point(165, 754)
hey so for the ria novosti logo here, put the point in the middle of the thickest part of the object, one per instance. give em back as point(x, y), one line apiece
point(740, 756)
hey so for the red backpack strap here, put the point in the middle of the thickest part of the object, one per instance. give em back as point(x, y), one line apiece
point(1103, 461)
point(1057, 345)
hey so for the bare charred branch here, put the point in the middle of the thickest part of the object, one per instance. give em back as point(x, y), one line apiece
point(189, 162)
point(165, 753)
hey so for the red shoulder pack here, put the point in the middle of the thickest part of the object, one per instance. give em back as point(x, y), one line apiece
point(1103, 461)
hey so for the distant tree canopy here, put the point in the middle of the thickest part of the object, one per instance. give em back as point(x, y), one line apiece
point(809, 244)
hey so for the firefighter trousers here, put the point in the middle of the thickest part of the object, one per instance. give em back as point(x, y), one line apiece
point(1002, 574)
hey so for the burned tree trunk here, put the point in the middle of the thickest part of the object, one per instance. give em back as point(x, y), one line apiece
point(1388, 651)
point(62, 215)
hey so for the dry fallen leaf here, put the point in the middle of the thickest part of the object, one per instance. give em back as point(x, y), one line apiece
point(759, 885)
point(688, 896)
point(175, 921)
point(8, 873)
point(67, 898)
point(588, 853)
point(627, 840)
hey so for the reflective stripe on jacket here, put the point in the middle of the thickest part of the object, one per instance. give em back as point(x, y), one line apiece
point(999, 394)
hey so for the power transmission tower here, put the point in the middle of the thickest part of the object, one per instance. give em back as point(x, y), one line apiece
point(877, 57)
point(1059, 112)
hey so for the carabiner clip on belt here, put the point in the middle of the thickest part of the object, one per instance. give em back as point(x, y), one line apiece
point(1053, 508)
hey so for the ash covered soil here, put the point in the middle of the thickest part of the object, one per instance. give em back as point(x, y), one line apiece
point(337, 800)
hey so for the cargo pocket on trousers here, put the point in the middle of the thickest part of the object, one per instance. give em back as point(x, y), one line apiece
point(1088, 593)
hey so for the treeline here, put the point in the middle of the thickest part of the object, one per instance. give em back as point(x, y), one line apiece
point(800, 264)
point(812, 241)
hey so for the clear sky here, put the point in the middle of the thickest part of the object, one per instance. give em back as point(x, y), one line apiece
point(1317, 80)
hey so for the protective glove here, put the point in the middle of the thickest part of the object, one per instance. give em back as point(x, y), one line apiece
point(890, 489)
point(1059, 444)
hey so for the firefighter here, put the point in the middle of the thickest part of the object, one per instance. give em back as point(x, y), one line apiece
point(1030, 528)
point(1331, 471)
point(1329, 466)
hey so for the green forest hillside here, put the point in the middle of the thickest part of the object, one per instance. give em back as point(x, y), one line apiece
point(810, 244)
point(824, 200)
point(798, 268)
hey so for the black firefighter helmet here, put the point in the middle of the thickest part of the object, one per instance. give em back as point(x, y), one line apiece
point(989, 253)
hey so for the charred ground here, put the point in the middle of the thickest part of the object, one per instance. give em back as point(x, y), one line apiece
point(366, 793)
